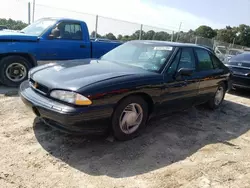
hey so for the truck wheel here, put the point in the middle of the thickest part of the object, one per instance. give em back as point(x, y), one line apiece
point(129, 118)
point(14, 70)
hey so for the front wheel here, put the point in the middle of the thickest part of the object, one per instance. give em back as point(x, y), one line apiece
point(14, 70)
point(129, 118)
point(218, 98)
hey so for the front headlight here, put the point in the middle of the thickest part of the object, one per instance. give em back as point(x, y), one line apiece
point(70, 97)
point(29, 73)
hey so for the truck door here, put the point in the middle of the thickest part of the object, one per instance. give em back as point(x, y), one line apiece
point(69, 43)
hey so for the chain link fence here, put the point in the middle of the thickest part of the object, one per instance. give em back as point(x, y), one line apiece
point(103, 27)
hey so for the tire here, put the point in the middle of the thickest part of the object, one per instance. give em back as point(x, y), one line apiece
point(14, 63)
point(212, 104)
point(119, 115)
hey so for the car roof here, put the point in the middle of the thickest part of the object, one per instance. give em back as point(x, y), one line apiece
point(174, 44)
point(62, 19)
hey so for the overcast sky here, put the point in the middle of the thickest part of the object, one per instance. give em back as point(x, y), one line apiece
point(158, 13)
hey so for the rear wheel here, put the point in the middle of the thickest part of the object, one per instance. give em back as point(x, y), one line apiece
point(129, 118)
point(14, 70)
point(218, 98)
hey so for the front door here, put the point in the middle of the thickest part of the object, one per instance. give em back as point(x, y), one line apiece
point(180, 91)
point(69, 44)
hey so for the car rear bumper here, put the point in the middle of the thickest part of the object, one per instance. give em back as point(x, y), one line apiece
point(241, 81)
point(67, 118)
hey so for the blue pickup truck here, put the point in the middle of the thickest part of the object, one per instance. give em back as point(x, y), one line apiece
point(47, 39)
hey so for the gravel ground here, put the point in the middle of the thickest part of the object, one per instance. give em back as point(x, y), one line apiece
point(194, 148)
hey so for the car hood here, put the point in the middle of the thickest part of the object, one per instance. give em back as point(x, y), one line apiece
point(16, 36)
point(76, 74)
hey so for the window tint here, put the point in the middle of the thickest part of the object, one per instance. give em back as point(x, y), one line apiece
point(205, 62)
point(216, 62)
point(241, 57)
point(173, 67)
point(70, 31)
point(187, 59)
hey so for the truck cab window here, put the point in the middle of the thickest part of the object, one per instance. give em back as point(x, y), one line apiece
point(70, 31)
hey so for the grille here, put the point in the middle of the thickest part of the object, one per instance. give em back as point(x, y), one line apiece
point(239, 64)
point(39, 87)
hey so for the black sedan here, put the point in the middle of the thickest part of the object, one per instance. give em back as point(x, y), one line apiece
point(125, 87)
point(240, 67)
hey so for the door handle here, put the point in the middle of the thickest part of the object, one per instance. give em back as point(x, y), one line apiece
point(82, 46)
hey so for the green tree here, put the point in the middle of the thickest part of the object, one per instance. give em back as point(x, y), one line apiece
point(119, 37)
point(243, 37)
point(126, 38)
point(186, 37)
point(162, 35)
point(12, 24)
point(136, 35)
point(97, 35)
point(227, 34)
point(205, 31)
point(150, 35)
point(110, 36)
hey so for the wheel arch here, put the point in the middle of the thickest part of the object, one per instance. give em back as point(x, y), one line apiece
point(27, 56)
point(148, 99)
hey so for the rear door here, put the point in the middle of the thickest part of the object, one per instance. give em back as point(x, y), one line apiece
point(180, 92)
point(70, 44)
point(208, 73)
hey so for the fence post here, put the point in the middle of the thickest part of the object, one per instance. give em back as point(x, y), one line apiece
point(196, 40)
point(28, 12)
point(96, 26)
point(214, 43)
point(172, 37)
point(177, 38)
point(33, 15)
point(140, 32)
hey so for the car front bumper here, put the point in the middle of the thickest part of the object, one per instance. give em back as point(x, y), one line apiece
point(67, 118)
point(241, 81)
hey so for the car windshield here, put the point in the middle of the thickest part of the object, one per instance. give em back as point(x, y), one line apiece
point(145, 55)
point(38, 27)
point(234, 52)
point(241, 57)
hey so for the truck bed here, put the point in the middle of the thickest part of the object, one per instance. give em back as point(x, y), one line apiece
point(102, 46)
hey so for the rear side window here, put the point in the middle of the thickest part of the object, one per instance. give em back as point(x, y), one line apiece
point(217, 63)
point(204, 60)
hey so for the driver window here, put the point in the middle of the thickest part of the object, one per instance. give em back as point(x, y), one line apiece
point(187, 59)
point(69, 31)
point(173, 67)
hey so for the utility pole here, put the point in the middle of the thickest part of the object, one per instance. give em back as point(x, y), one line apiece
point(33, 13)
point(140, 34)
point(172, 36)
point(178, 32)
point(96, 26)
point(28, 12)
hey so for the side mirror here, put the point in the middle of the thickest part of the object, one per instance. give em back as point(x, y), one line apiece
point(184, 72)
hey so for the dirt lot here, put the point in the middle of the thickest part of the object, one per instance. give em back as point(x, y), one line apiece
point(195, 148)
